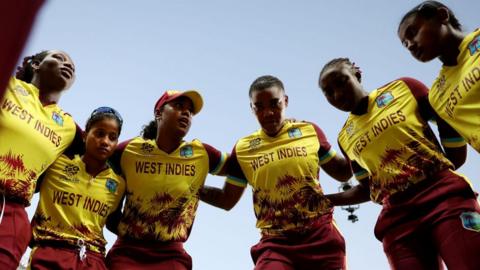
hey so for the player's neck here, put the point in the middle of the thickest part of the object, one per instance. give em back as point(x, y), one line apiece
point(451, 50)
point(94, 166)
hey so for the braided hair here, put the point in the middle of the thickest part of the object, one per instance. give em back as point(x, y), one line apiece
point(337, 62)
point(25, 71)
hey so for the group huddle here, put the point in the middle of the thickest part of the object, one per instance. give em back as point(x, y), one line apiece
point(146, 189)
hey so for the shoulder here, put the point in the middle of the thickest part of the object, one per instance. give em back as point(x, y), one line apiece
point(250, 141)
point(414, 86)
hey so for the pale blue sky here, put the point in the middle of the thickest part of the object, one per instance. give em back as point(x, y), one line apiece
point(128, 52)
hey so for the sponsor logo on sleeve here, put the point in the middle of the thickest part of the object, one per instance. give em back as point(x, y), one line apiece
point(471, 221)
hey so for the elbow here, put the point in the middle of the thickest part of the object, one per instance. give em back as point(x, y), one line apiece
point(345, 177)
point(458, 163)
point(227, 206)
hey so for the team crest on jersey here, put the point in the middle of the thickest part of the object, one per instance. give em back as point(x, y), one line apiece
point(146, 147)
point(20, 90)
point(384, 99)
point(186, 151)
point(254, 144)
point(294, 133)
point(471, 221)
point(111, 185)
point(57, 118)
point(474, 46)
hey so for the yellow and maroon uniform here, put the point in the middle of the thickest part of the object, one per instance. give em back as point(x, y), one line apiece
point(288, 199)
point(455, 94)
point(74, 207)
point(162, 193)
point(33, 137)
point(392, 147)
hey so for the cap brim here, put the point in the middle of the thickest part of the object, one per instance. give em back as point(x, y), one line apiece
point(196, 99)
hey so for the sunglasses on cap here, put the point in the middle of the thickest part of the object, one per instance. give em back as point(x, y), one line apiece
point(107, 110)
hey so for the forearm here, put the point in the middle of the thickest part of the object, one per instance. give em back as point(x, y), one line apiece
point(215, 196)
point(356, 195)
point(338, 168)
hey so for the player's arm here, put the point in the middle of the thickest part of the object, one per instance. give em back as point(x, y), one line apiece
point(225, 198)
point(337, 166)
point(77, 147)
point(228, 196)
point(454, 145)
point(114, 218)
point(355, 195)
point(216, 160)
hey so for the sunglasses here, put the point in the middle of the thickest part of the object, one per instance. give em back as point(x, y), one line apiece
point(108, 110)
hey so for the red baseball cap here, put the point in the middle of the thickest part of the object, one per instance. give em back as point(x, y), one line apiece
point(170, 95)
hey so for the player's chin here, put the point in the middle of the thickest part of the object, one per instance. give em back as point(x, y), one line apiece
point(182, 131)
point(271, 128)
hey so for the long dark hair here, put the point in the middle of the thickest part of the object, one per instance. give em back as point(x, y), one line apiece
point(149, 131)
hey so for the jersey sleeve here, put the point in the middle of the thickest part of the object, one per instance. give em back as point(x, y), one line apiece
point(235, 175)
point(77, 147)
point(216, 159)
point(448, 136)
point(114, 160)
point(420, 92)
point(326, 152)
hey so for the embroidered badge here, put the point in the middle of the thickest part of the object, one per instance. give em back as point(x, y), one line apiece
point(186, 151)
point(146, 147)
point(474, 46)
point(57, 118)
point(69, 173)
point(384, 99)
point(254, 144)
point(71, 170)
point(441, 83)
point(294, 133)
point(111, 185)
point(350, 129)
point(21, 90)
point(471, 221)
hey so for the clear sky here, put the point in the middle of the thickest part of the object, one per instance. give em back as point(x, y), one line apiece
point(128, 52)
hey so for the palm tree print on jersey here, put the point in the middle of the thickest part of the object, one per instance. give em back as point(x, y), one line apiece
point(15, 179)
point(47, 229)
point(293, 203)
point(418, 159)
point(165, 218)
